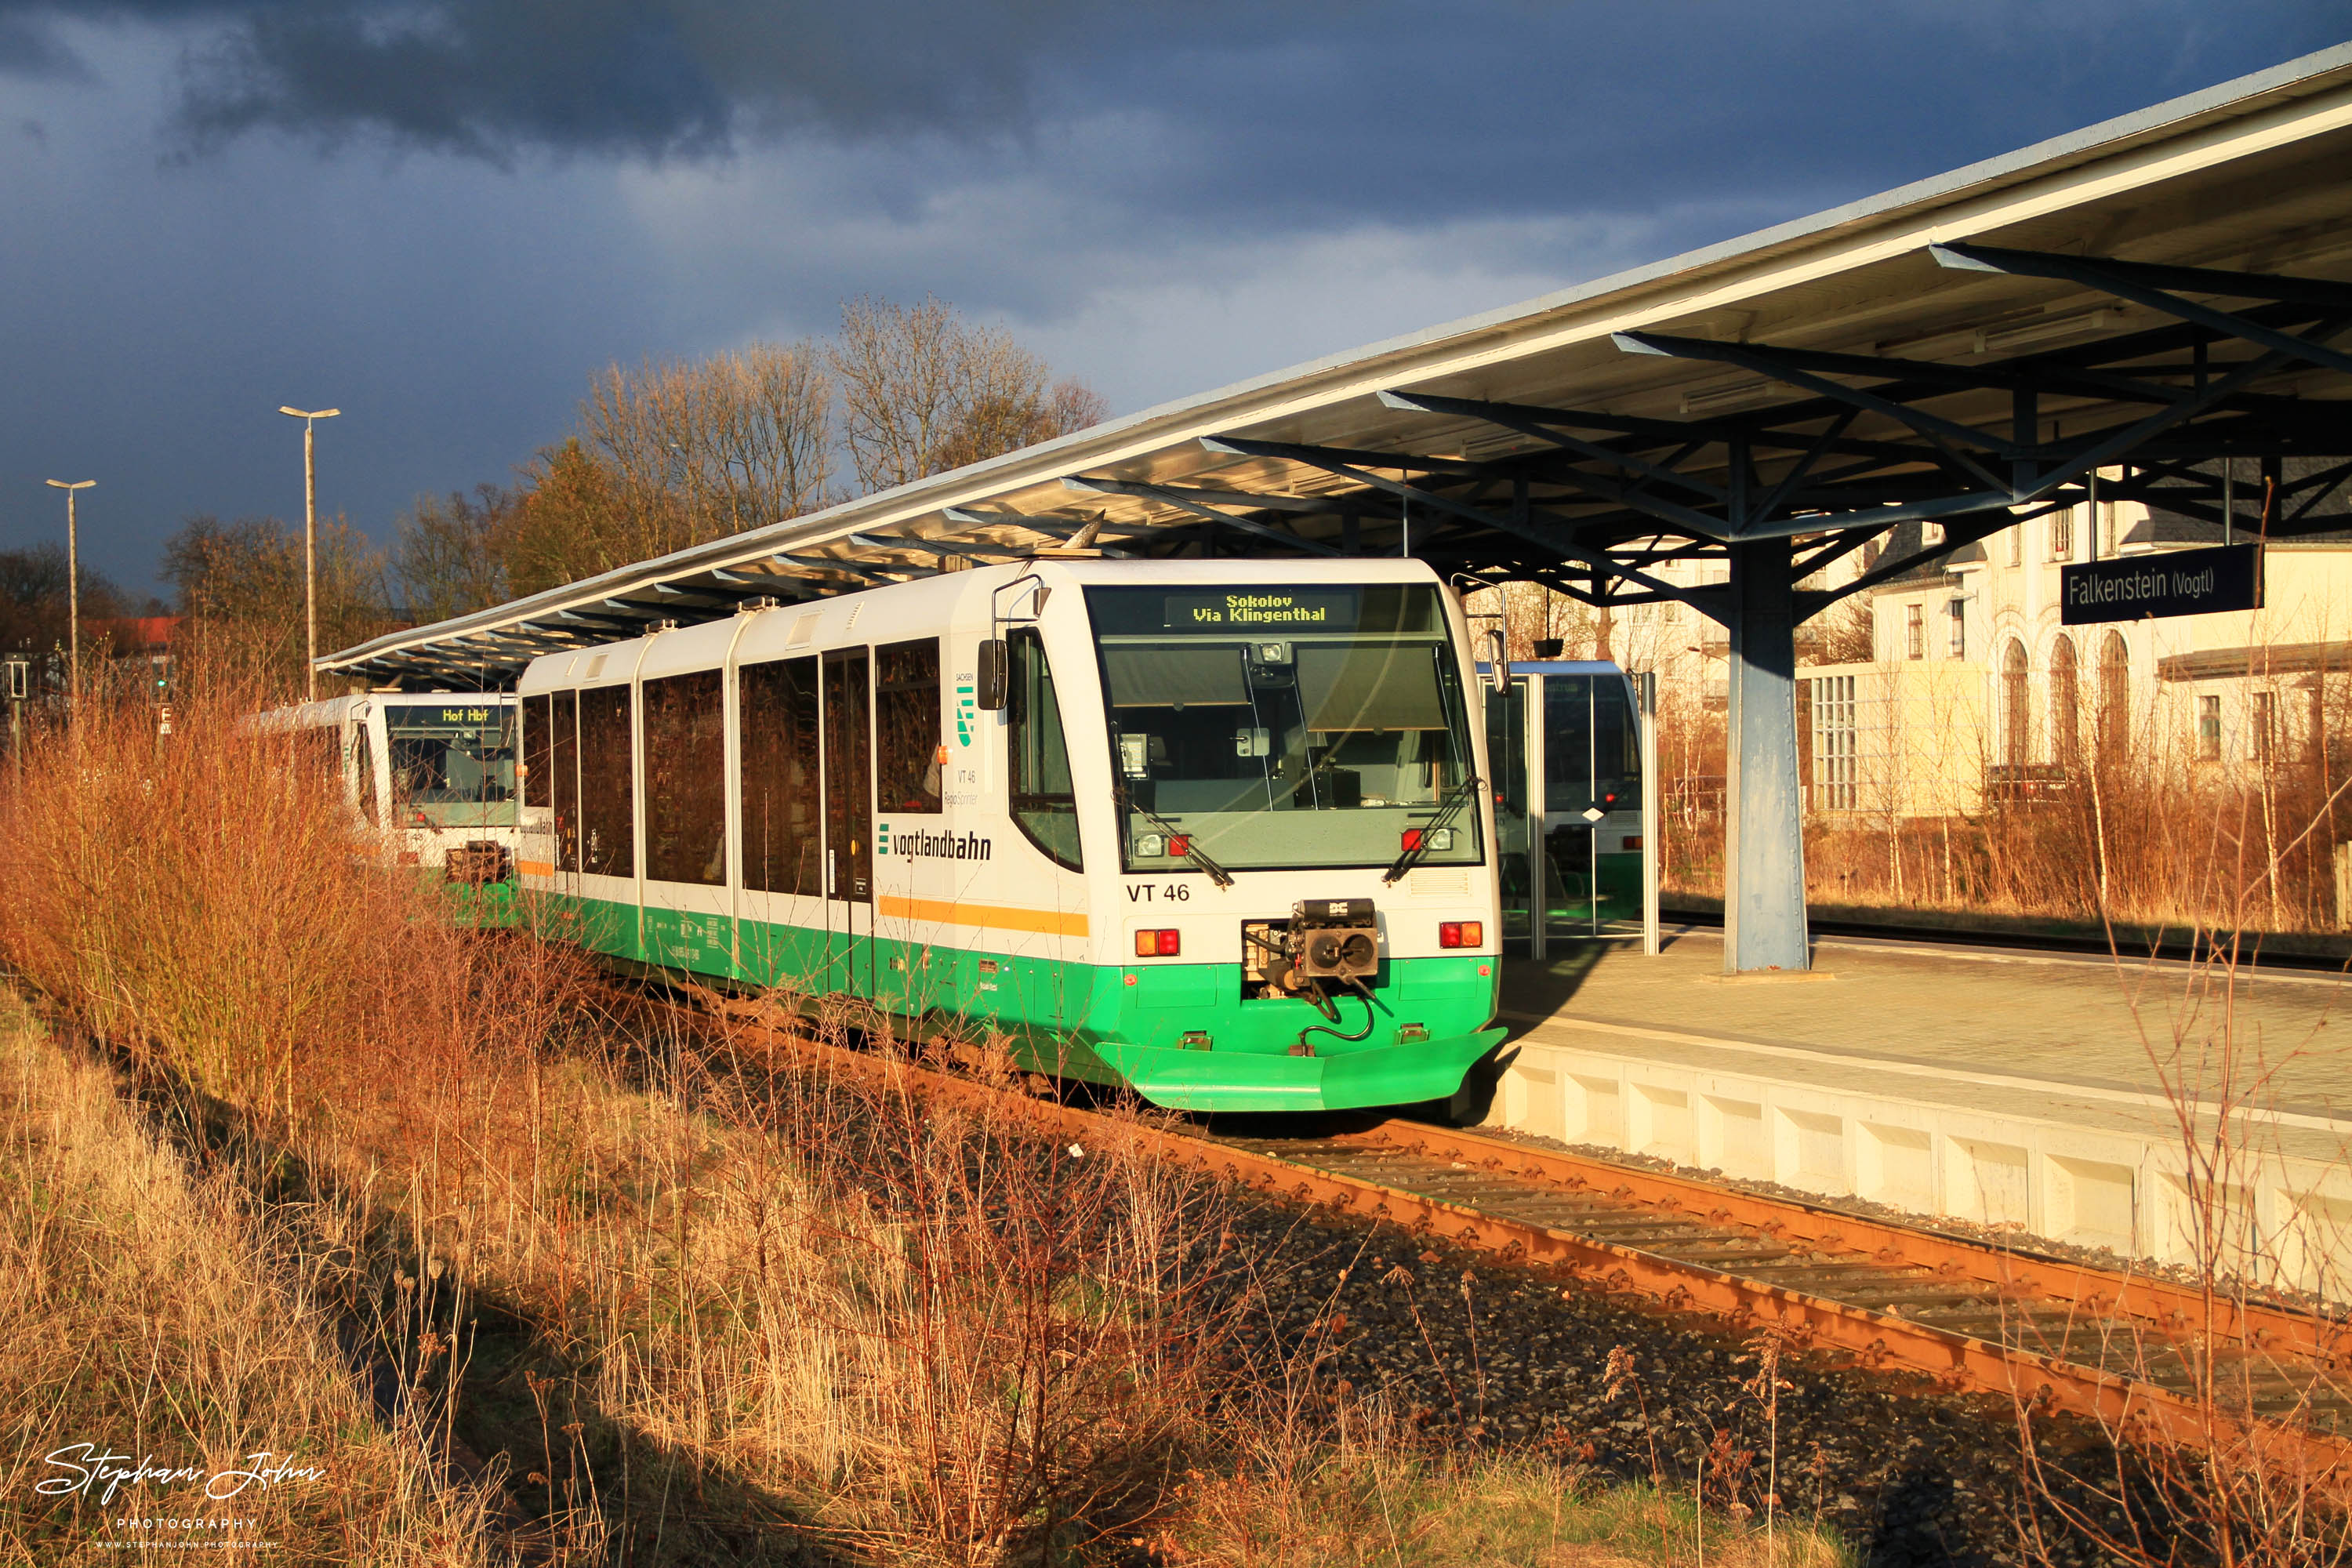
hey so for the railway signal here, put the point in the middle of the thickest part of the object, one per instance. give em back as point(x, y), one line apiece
point(16, 684)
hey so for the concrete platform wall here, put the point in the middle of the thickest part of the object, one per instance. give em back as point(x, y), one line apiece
point(2115, 1173)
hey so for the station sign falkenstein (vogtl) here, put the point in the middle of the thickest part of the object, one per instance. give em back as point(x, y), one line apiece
point(2175, 582)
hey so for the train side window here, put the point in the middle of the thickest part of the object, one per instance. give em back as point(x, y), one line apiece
point(608, 814)
point(906, 725)
point(538, 758)
point(321, 751)
point(1044, 802)
point(563, 748)
point(779, 721)
point(686, 779)
point(363, 752)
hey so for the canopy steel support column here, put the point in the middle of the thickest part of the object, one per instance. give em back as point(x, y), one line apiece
point(1764, 850)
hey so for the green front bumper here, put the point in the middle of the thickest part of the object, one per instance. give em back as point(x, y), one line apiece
point(1254, 1080)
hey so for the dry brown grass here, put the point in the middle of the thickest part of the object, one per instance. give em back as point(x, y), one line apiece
point(172, 1321)
point(742, 1311)
point(1369, 1499)
point(700, 1305)
point(2138, 830)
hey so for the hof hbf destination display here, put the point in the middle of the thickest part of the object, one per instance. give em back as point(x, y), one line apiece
point(2178, 582)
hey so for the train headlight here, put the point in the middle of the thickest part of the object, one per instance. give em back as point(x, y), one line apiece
point(1439, 839)
point(1152, 845)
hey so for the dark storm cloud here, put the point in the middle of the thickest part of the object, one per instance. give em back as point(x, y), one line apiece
point(1306, 111)
point(29, 48)
point(647, 79)
point(1164, 195)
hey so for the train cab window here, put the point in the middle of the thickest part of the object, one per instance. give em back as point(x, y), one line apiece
point(906, 725)
point(686, 779)
point(538, 751)
point(1043, 799)
point(778, 708)
point(451, 763)
point(607, 811)
point(1278, 726)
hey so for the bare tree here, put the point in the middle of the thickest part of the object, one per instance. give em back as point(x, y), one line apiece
point(677, 453)
point(33, 600)
point(571, 523)
point(449, 556)
point(241, 591)
point(923, 391)
point(697, 451)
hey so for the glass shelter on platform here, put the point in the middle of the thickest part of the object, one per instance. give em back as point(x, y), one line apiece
point(1564, 756)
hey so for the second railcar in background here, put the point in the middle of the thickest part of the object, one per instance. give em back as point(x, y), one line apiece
point(1211, 829)
point(431, 773)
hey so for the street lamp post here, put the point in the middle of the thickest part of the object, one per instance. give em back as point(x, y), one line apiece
point(310, 543)
point(73, 597)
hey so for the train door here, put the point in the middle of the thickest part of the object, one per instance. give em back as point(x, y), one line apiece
point(1513, 780)
point(365, 793)
point(1571, 809)
point(1562, 744)
point(564, 750)
point(848, 731)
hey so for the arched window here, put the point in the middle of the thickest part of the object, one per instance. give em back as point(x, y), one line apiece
point(2065, 703)
point(2016, 707)
point(2115, 693)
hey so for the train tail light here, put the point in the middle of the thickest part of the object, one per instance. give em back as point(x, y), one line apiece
point(1461, 933)
point(1440, 839)
point(1158, 943)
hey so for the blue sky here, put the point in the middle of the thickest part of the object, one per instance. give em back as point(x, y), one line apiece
point(442, 217)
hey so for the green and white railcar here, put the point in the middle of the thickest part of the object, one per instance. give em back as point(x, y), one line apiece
point(1212, 829)
point(430, 775)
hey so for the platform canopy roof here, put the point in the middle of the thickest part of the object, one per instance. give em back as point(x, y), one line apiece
point(2135, 300)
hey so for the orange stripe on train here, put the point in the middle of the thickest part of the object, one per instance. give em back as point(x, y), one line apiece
point(996, 917)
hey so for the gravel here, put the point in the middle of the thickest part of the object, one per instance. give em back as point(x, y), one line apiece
point(1474, 1352)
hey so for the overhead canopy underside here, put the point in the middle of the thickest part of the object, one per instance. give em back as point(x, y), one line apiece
point(2139, 299)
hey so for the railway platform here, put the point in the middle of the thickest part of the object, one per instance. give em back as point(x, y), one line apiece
point(2155, 1109)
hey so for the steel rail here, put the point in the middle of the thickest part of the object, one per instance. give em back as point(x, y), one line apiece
point(2128, 1407)
point(2175, 1308)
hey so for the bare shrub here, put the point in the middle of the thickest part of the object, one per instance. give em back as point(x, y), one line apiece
point(2245, 1465)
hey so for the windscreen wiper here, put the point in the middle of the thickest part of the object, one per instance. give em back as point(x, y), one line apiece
point(1192, 851)
point(1454, 802)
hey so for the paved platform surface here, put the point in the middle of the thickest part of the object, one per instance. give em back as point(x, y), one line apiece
point(2083, 1041)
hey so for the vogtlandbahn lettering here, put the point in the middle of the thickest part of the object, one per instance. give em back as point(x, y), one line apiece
point(939, 845)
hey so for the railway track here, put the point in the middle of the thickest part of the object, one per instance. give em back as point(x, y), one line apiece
point(2140, 1355)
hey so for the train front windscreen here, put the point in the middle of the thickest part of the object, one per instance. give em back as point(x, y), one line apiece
point(452, 763)
point(1319, 726)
